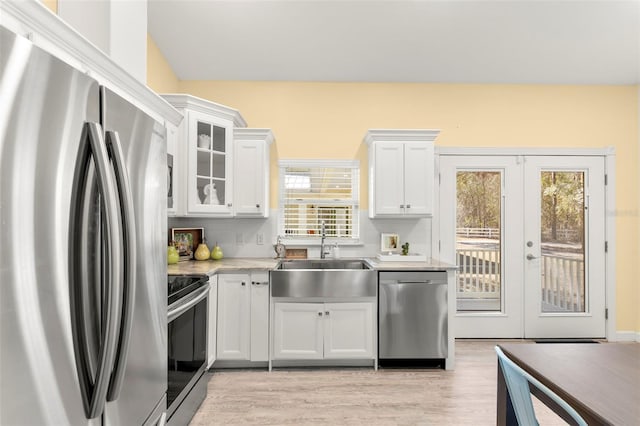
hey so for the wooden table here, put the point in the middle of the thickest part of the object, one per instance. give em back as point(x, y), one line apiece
point(600, 381)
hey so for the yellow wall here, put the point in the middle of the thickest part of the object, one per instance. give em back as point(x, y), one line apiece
point(329, 120)
point(160, 75)
point(51, 4)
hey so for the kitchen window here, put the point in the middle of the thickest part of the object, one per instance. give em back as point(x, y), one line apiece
point(316, 191)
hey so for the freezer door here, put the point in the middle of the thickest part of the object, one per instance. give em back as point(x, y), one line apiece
point(43, 110)
point(142, 142)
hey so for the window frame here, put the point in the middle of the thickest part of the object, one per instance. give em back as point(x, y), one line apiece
point(354, 165)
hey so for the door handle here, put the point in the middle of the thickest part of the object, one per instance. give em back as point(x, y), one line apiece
point(114, 147)
point(531, 257)
point(188, 302)
point(94, 384)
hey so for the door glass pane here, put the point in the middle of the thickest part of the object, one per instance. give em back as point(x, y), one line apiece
point(478, 240)
point(201, 183)
point(218, 139)
point(218, 165)
point(562, 241)
point(204, 163)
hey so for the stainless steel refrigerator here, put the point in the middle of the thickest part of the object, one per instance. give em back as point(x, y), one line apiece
point(83, 301)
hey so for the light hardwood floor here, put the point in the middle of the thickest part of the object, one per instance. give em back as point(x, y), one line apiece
point(332, 396)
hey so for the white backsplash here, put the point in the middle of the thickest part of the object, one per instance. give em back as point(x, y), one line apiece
point(238, 237)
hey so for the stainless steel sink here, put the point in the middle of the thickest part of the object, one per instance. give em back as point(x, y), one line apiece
point(323, 278)
point(323, 264)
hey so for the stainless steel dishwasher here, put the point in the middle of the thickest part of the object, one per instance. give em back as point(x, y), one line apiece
point(412, 322)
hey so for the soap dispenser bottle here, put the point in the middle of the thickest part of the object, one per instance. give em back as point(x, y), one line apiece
point(336, 251)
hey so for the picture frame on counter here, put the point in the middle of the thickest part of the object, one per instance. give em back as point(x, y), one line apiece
point(186, 241)
point(389, 243)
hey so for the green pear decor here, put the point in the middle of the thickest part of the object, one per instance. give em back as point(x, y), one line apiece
point(202, 252)
point(172, 255)
point(216, 253)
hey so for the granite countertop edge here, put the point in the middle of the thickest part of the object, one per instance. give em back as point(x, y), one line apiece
point(261, 264)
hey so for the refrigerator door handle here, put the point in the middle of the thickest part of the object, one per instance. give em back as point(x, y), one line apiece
point(114, 148)
point(94, 385)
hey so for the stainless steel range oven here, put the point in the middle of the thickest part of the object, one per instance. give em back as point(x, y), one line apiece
point(187, 346)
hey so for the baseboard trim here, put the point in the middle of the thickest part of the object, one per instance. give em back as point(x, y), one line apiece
point(626, 336)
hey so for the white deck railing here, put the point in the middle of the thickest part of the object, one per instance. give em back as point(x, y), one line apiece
point(478, 232)
point(479, 273)
point(562, 283)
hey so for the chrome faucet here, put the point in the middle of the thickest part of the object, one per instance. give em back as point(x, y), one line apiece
point(324, 236)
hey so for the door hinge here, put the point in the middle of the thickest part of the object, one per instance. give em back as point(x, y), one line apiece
point(439, 179)
point(606, 246)
point(439, 246)
point(606, 313)
point(606, 179)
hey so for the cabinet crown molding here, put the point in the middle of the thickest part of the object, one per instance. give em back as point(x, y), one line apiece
point(250, 134)
point(401, 135)
point(194, 103)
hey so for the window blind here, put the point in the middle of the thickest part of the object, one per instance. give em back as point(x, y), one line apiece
point(325, 191)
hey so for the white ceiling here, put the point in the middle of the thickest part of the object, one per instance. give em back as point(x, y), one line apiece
point(449, 41)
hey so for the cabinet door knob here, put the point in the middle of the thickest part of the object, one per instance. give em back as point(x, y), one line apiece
point(408, 206)
point(243, 283)
point(326, 313)
point(257, 206)
point(402, 206)
point(319, 314)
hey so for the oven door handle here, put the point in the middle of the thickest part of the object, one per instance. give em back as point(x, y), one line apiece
point(187, 303)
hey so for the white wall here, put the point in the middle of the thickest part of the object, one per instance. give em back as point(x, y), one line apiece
point(118, 28)
point(226, 232)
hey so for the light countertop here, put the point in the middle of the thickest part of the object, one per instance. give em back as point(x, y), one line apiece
point(211, 267)
point(428, 265)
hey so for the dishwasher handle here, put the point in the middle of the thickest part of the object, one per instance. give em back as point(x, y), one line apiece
point(391, 282)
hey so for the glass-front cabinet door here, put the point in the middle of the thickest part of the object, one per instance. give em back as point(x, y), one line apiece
point(201, 174)
point(209, 183)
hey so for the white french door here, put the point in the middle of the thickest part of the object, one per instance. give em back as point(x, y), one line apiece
point(527, 233)
point(564, 264)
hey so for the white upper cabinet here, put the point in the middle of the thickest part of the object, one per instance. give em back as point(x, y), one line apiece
point(251, 172)
point(205, 157)
point(401, 172)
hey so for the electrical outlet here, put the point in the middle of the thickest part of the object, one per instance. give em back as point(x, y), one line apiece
point(239, 238)
point(259, 238)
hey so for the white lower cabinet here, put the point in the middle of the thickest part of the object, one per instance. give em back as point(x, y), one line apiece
point(259, 340)
point(243, 317)
point(348, 330)
point(298, 331)
point(323, 331)
point(213, 317)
